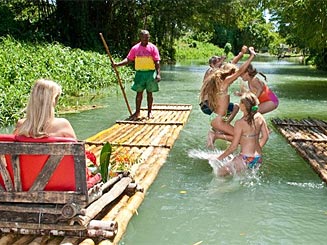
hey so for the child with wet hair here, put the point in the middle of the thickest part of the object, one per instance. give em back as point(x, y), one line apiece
point(251, 133)
point(215, 62)
point(268, 101)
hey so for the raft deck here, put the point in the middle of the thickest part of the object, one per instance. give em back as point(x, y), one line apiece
point(147, 140)
point(309, 138)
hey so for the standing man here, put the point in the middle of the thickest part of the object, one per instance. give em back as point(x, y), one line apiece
point(146, 58)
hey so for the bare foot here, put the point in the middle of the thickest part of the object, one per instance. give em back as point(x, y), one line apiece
point(134, 117)
point(150, 116)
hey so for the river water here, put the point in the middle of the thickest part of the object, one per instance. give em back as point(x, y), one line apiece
point(284, 203)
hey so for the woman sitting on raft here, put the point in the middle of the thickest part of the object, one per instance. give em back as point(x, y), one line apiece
point(40, 120)
point(251, 133)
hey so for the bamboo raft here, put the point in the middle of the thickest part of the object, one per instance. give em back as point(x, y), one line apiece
point(149, 141)
point(309, 138)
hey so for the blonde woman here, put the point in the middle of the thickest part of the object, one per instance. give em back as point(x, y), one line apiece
point(216, 88)
point(251, 133)
point(40, 120)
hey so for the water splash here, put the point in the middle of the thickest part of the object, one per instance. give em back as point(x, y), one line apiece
point(248, 178)
point(307, 185)
point(211, 156)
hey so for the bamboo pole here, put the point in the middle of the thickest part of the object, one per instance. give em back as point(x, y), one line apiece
point(87, 241)
point(117, 73)
point(94, 208)
point(8, 239)
point(69, 241)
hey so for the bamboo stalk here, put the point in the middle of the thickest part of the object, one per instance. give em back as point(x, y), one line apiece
point(24, 240)
point(55, 241)
point(8, 239)
point(94, 208)
point(117, 74)
point(126, 214)
point(112, 214)
point(70, 241)
point(87, 241)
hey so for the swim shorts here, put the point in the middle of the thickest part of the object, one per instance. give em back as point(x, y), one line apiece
point(253, 161)
point(145, 80)
point(230, 109)
point(204, 105)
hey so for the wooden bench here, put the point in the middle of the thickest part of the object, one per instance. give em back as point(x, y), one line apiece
point(43, 189)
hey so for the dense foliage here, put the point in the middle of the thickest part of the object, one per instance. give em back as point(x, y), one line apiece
point(190, 49)
point(80, 73)
point(303, 24)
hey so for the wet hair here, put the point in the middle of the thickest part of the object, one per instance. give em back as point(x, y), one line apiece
point(250, 101)
point(40, 108)
point(214, 59)
point(211, 85)
point(253, 72)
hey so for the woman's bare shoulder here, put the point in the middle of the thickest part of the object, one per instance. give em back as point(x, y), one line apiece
point(60, 120)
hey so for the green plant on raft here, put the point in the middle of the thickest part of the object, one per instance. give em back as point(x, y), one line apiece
point(105, 166)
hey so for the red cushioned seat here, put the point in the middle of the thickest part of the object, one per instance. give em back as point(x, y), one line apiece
point(7, 137)
point(63, 178)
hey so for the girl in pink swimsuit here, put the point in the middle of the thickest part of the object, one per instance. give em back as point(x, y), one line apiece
point(267, 99)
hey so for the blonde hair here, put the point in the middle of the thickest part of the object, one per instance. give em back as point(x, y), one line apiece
point(40, 108)
point(212, 85)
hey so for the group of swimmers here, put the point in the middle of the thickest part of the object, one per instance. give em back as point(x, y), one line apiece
point(250, 131)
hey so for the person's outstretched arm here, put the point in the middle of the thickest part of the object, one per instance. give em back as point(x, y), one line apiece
point(237, 58)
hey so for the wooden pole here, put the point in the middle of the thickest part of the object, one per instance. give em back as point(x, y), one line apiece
point(117, 74)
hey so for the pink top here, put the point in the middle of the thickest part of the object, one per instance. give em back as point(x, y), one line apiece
point(144, 57)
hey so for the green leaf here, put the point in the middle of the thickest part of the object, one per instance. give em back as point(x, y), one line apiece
point(105, 161)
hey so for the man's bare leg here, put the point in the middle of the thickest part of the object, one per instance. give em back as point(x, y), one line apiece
point(150, 103)
point(138, 103)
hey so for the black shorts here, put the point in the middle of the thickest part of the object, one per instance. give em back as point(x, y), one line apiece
point(204, 105)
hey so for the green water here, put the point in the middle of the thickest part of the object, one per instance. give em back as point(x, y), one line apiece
point(285, 203)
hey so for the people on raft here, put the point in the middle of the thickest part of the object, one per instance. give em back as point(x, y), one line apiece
point(268, 100)
point(146, 58)
point(216, 88)
point(40, 120)
point(251, 133)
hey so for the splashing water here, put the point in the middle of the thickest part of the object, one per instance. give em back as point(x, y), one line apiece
point(211, 156)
